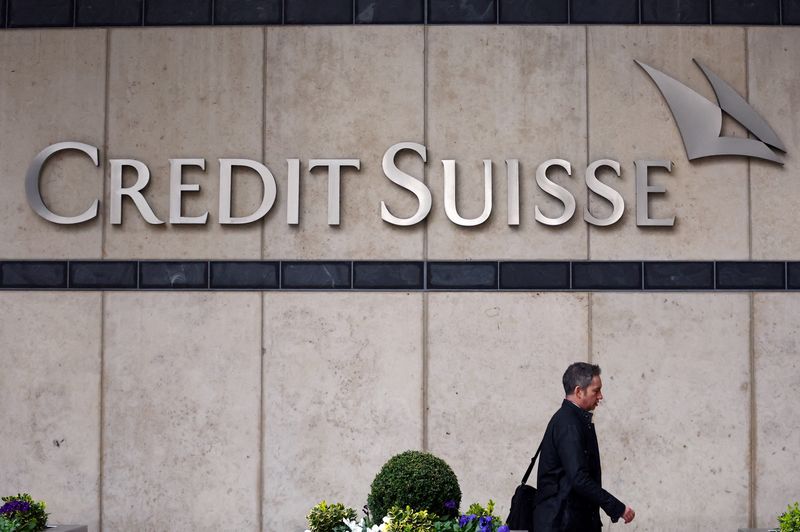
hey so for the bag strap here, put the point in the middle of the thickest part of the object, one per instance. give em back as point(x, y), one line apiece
point(530, 467)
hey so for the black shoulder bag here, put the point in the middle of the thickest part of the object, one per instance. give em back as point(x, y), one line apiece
point(523, 502)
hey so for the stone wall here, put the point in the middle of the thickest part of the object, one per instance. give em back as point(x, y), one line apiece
point(240, 410)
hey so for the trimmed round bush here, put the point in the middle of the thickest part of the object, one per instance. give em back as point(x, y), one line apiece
point(416, 479)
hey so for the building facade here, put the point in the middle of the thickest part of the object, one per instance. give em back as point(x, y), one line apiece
point(162, 370)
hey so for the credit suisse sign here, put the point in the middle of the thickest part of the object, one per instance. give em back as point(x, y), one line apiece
point(699, 122)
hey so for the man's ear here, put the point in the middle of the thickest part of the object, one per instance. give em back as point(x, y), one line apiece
point(575, 391)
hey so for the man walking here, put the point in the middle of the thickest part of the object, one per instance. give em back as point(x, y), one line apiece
point(570, 491)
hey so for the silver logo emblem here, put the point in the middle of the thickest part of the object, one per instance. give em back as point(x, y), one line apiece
point(700, 121)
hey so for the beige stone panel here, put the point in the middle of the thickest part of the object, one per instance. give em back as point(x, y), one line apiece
point(342, 394)
point(777, 369)
point(194, 93)
point(506, 93)
point(674, 424)
point(51, 90)
point(344, 93)
point(629, 120)
point(773, 57)
point(181, 415)
point(495, 366)
point(50, 392)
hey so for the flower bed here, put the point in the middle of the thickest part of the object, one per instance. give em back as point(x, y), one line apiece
point(413, 492)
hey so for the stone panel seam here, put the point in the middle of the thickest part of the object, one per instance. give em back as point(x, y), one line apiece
point(425, 126)
point(425, 369)
point(749, 165)
point(424, 351)
point(753, 433)
point(589, 337)
point(101, 437)
point(261, 444)
point(588, 147)
point(106, 106)
point(262, 299)
point(261, 237)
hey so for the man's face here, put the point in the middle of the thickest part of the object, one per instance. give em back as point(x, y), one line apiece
point(589, 397)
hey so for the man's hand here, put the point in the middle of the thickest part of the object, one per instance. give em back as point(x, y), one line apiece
point(628, 515)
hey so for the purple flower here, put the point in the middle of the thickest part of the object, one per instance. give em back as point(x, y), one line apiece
point(15, 506)
point(464, 520)
point(503, 528)
point(485, 524)
point(450, 505)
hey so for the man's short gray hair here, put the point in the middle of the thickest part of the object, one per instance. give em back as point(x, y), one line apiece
point(579, 374)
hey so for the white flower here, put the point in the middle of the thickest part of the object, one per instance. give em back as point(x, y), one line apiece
point(361, 527)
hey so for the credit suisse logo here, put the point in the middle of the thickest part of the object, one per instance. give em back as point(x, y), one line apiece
point(700, 120)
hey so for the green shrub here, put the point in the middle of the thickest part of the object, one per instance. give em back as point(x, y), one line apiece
point(418, 480)
point(408, 520)
point(20, 513)
point(14, 525)
point(790, 519)
point(326, 517)
point(17, 525)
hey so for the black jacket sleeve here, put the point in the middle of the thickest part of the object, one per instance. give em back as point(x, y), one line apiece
point(573, 458)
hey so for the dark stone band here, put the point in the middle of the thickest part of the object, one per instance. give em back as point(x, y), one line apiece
point(400, 275)
point(102, 13)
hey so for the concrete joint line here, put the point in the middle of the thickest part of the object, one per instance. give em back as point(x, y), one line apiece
point(101, 442)
point(753, 432)
point(425, 353)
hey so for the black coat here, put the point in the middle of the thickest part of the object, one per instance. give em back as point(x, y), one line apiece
point(569, 492)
